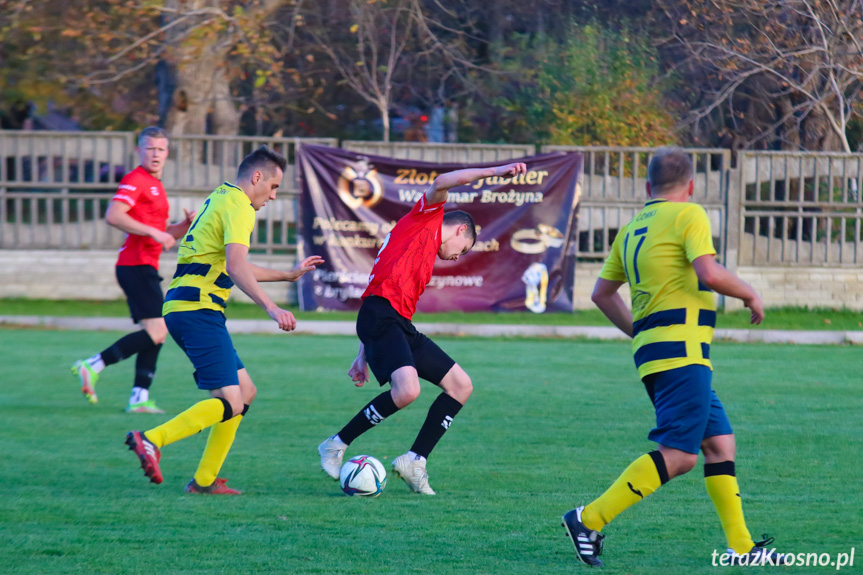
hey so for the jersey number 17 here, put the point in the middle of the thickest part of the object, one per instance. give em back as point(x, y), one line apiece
point(641, 234)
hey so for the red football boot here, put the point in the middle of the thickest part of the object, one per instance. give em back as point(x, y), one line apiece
point(148, 453)
point(217, 488)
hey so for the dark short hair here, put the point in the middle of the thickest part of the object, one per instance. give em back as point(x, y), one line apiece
point(457, 218)
point(151, 132)
point(264, 159)
point(669, 168)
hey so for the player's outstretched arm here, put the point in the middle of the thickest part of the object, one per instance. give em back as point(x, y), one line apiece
point(717, 277)
point(309, 264)
point(241, 273)
point(270, 275)
point(609, 302)
point(437, 192)
point(359, 371)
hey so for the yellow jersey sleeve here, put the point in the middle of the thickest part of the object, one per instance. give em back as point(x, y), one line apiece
point(613, 269)
point(239, 225)
point(697, 237)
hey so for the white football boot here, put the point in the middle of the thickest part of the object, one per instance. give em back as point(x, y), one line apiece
point(413, 471)
point(332, 452)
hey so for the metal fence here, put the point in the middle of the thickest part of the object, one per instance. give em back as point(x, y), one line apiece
point(773, 208)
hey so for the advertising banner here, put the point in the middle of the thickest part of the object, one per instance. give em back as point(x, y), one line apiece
point(524, 257)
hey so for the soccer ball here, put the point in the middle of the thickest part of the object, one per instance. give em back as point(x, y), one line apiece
point(363, 475)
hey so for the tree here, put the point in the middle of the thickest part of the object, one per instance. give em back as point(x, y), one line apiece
point(771, 73)
point(36, 73)
point(379, 34)
point(595, 87)
point(110, 50)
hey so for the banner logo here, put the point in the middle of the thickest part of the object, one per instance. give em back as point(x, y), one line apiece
point(536, 240)
point(361, 186)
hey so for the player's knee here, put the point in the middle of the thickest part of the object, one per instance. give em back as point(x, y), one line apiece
point(462, 388)
point(249, 393)
point(686, 463)
point(158, 332)
point(405, 394)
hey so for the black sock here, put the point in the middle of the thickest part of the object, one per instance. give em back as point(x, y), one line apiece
point(441, 414)
point(376, 411)
point(127, 346)
point(145, 366)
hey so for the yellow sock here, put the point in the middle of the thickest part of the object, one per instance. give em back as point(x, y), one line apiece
point(643, 476)
point(218, 444)
point(722, 487)
point(195, 419)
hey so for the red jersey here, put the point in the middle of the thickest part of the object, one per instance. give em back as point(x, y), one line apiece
point(404, 264)
point(149, 202)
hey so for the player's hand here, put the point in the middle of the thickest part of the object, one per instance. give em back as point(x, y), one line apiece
point(190, 216)
point(359, 371)
point(307, 265)
point(164, 238)
point(756, 306)
point(285, 319)
point(510, 169)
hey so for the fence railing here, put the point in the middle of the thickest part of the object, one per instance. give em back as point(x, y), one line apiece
point(800, 208)
point(613, 191)
point(776, 208)
point(55, 187)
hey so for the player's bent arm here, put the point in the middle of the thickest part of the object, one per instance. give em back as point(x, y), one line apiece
point(178, 229)
point(118, 216)
point(242, 274)
point(715, 276)
point(609, 302)
point(437, 192)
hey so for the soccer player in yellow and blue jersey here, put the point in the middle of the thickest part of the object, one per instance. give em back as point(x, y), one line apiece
point(212, 259)
point(666, 256)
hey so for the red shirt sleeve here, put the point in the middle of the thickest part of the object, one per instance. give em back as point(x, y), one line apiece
point(131, 188)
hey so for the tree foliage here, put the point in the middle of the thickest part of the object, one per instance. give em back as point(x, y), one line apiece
point(595, 87)
point(778, 74)
point(782, 74)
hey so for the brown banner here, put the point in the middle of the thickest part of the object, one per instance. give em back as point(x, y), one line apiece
point(524, 257)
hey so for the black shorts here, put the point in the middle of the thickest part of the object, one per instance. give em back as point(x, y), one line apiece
point(143, 288)
point(391, 342)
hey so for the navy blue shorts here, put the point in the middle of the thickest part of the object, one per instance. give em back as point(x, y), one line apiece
point(391, 342)
point(202, 334)
point(688, 411)
point(143, 288)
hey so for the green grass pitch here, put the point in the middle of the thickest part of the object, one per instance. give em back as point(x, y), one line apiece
point(550, 425)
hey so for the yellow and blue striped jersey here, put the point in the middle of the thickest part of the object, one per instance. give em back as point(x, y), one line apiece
point(673, 313)
point(201, 282)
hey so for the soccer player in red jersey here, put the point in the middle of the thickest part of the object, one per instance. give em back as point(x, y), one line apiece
point(390, 344)
point(139, 208)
